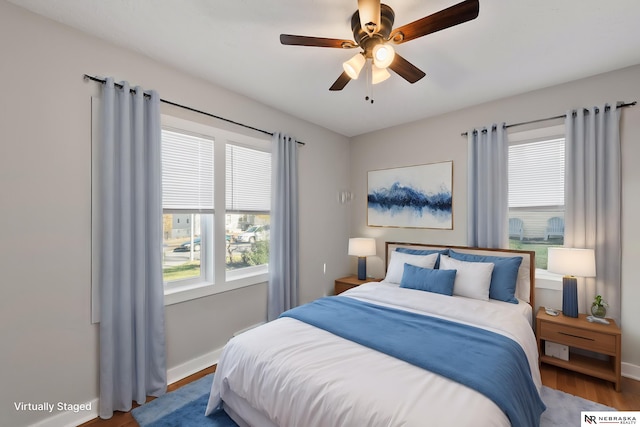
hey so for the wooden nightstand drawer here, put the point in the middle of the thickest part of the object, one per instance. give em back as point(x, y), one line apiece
point(580, 338)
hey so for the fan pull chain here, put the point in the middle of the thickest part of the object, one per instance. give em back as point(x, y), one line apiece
point(369, 82)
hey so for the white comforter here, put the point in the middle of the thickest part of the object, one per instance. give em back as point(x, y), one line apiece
point(297, 375)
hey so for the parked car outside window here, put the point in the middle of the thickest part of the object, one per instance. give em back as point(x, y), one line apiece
point(186, 246)
point(253, 234)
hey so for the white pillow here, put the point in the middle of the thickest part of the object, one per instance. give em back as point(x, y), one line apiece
point(472, 278)
point(399, 259)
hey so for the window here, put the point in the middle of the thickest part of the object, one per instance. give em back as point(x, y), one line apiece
point(207, 170)
point(204, 169)
point(536, 193)
point(187, 203)
point(248, 201)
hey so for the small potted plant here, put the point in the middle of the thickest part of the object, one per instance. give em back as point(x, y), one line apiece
point(599, 307)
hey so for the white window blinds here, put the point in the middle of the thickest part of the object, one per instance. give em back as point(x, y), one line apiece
point(536, 174)
point(187, 172)
point(248, 180)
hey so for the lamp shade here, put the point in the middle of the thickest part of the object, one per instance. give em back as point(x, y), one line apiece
point(353, 66)
point(572, 262)
point(379, 74)
point(362, 246)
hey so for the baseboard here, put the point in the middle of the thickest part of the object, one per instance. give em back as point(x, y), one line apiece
point(630, 371)
point(72, 419)
point(192, 366)
point(235, 334)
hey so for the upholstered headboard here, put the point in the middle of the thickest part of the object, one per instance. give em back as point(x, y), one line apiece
point(525, 284)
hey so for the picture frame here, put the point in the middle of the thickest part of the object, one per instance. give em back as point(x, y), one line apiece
point(418, 196)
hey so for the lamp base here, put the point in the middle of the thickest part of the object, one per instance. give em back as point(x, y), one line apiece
point(362, 268)
point(570, 296)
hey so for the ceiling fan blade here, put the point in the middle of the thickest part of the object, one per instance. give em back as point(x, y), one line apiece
point(290, 39)
point(406, 69)
point(449, 17)
point(341, 82)
point(369, 11)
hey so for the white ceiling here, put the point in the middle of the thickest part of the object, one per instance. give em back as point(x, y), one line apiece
point(511, 48)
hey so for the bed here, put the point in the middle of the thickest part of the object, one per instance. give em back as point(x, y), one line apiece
point(401, 352)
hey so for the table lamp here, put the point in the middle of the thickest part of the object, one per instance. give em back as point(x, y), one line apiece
point(572, 263)
point(362, 247)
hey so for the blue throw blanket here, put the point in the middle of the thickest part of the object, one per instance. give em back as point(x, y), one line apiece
point(488, 362)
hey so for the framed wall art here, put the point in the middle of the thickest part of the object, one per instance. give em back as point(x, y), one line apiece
point(411, 197)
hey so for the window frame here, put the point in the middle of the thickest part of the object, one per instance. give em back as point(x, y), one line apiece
point(207, 264)
point(216, 280)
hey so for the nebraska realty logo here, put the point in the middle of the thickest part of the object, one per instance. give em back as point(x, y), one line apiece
point(593, 418)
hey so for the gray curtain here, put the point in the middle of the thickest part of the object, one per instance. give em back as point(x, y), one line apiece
point(283, 249)
point(593, 200)
point(132, 343)
point(487, 187)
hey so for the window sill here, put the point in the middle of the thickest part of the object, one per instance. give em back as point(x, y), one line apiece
point(547, 280)
point(184, 293)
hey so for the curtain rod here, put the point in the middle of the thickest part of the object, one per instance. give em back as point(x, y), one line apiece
point(626, 104)
point(99, 80)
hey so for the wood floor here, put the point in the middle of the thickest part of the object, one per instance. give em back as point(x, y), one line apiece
point(569, 382)
point(592, 388)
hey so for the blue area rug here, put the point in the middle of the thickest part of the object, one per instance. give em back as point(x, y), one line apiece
point(182, 408)
point(563, 409)
point(185, 408)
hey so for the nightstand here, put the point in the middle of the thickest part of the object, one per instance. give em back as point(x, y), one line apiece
point(578, 333)
point(346, 283)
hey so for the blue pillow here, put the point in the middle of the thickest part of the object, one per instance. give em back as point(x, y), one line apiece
point(425, 252)
point(426, 279)
point(503, 278)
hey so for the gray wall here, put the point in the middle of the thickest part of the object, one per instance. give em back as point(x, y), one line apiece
point(49, 348)
point(438, 139)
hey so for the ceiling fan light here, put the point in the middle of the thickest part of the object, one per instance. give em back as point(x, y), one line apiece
point(369, 11)
point(379, 74)
point(353, 66)
point(383, 55)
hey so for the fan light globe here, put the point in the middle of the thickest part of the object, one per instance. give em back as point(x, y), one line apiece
point(379, 75)
point(383, 55)
point(353, 66)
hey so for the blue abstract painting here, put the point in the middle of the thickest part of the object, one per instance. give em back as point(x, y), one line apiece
point(412, 197)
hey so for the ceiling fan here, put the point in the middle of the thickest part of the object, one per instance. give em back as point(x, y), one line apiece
point(372, 31)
